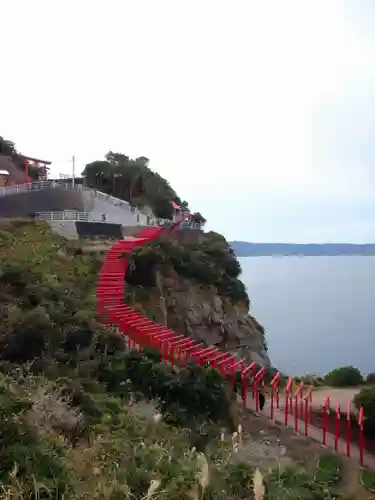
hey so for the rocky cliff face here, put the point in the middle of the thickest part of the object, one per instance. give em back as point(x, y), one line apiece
point(207, 312)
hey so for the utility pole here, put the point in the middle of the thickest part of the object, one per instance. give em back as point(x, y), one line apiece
point(74, 172)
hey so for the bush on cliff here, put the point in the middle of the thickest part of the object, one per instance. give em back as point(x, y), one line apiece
point(210, 263)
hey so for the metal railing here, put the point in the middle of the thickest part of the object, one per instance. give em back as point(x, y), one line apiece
point(75, 215)
point(27, 187)
point(70, 215)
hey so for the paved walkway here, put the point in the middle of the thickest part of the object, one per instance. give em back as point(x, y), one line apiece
point(313, 432)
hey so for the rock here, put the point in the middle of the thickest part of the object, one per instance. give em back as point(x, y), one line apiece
point(199, 311)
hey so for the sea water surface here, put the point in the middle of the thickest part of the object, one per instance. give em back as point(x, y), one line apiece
point(318, 312)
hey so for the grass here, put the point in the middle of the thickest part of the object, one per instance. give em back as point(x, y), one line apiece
point(367, 479)
point(328, 470)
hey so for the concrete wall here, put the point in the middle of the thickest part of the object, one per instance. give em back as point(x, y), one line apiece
point(47, 200)
point(99, 230)
point(115, 214)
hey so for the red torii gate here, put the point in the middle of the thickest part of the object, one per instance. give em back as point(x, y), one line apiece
point(42, 165)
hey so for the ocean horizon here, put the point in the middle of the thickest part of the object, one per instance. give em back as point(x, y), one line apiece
point(317, 312)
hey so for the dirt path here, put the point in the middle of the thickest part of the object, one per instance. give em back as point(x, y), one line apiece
point(337, 395)
point(267, 444)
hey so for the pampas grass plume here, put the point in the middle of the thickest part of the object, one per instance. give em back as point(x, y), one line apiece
point(154, 485)
point(258, 485)
point(203, 472)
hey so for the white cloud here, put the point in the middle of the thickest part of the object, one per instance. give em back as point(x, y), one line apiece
point(230, 96)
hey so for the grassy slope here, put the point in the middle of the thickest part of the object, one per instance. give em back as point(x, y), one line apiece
point(80, 414)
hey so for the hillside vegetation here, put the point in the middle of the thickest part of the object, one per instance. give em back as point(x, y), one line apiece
point(83, 417)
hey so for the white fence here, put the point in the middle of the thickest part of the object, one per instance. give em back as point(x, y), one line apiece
point(27, 187)
point(70, 215)
point(74, 215)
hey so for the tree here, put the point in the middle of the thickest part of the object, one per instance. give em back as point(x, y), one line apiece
point(198, 218)
point(366, 399)
point(7, 148)
point(346, 376)
point(133, 181)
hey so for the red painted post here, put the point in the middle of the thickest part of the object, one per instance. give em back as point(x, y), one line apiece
point(183, 343)
point(197, 355)
point(253, 368)
point(361, 436)
point(205, 358)
point(172, 347)
point(337, 425)
point(244, 390)
point(286, 408)
point(298, 394)
point(296, 414)
point(218, 358)
point(272, 396)
point(255, 386)
point(274, 387)
point(223, 362)
point(223, 366)
point(348, 430)
point(244, 374)
point(288, 389)
point(324, 423)
point(164, 350)
point(277, 397)
point(291, 403)
point(250, 369)
point(307, 399)
point(188, 352)
point(259, 377)
point(233, 372)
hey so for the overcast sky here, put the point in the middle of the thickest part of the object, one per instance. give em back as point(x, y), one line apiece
point(260, 113)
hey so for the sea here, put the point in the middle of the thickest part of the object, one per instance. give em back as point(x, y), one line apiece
point(318, 312)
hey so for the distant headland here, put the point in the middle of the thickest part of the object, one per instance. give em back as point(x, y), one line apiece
point(248, 249)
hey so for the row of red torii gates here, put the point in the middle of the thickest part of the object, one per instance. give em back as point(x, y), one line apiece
point(174, 348)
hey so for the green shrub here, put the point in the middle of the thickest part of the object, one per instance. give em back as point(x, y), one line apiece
point(367, 479)
point(26, 452)
point(184, 392)
point(346, 376)
point(370, 379)
point(366, 399)
point(328, 470)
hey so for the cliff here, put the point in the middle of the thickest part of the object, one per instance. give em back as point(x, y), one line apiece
point(191, 284)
